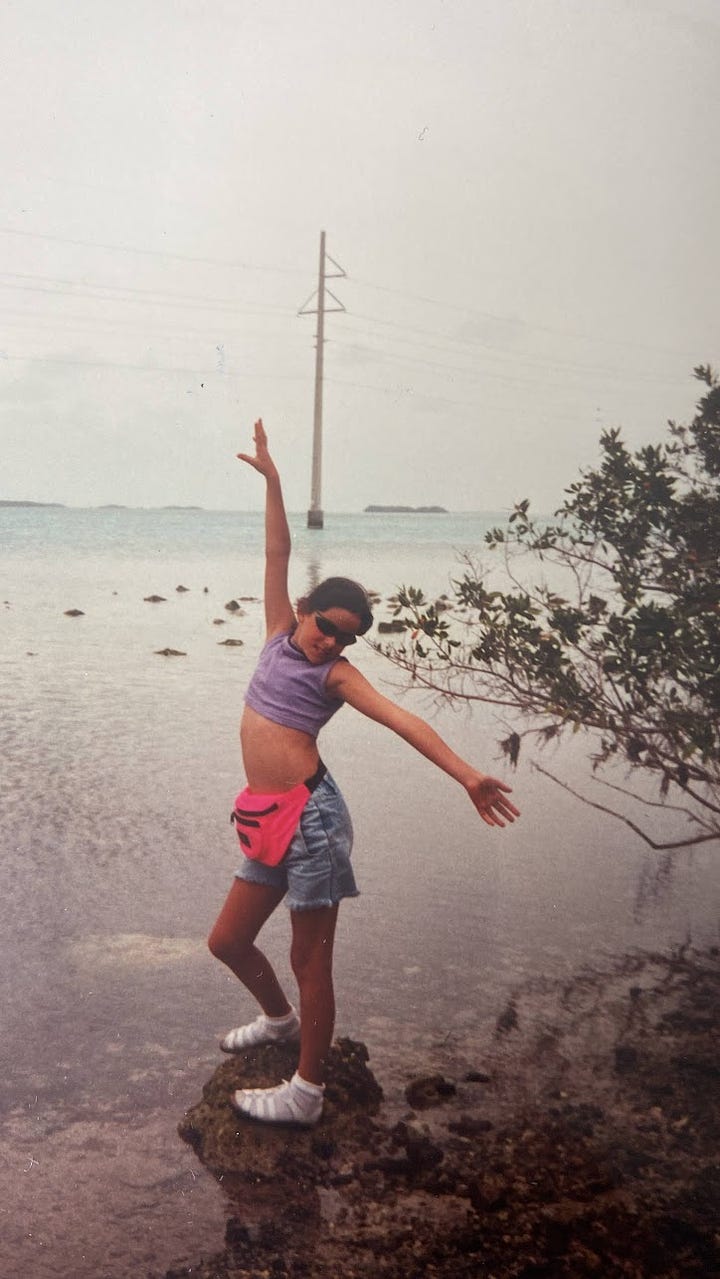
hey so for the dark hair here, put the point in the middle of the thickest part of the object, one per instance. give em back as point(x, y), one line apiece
point(339, 592)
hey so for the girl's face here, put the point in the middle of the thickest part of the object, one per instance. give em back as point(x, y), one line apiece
point(324, 634)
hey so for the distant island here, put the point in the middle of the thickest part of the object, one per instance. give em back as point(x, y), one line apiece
point(7, 502)
point(406, 510)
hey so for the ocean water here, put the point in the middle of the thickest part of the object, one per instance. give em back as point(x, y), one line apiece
point(118, 769)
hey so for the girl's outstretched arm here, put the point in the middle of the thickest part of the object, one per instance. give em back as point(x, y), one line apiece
point(279, 614)
point(488, 794)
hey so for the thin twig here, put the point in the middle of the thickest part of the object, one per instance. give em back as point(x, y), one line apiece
point(681, 843)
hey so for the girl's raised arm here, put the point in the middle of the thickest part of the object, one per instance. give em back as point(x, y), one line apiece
point(279, 614)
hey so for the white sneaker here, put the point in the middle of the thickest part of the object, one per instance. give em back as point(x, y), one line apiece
point(263, 1030)
point(294, 1101)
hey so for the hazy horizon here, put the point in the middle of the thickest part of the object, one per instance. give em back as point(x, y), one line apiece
point(524, 196)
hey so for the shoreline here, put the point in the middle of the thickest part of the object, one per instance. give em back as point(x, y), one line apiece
point(583, 1143)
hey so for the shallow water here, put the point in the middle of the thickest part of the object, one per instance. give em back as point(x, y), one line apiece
point(118, 770)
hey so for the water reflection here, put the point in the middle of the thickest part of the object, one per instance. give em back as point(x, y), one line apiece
point(315, 574)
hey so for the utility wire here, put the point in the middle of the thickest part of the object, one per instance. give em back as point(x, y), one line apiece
point(151, 253)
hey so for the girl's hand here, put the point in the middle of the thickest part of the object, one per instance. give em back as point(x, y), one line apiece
point(488, 796)
point(262, 460)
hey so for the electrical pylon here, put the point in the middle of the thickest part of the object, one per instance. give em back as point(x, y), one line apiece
point(315, 513)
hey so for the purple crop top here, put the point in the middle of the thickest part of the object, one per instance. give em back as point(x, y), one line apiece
point(289, 689)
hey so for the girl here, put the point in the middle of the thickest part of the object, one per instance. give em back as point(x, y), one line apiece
point(291, 819)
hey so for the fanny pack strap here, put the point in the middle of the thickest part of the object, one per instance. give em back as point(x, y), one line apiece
point(313, 782)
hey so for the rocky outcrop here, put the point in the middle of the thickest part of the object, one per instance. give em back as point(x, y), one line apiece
point(584, 1145)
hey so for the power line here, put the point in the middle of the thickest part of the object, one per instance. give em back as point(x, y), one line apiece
point(515, 320)
point(152, 253)
point(550, 367)
point(69, 288)
point(150, 368)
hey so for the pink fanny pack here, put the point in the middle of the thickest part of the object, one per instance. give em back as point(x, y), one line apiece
point(265, 824)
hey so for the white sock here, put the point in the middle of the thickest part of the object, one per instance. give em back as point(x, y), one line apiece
point(281, 1021)
point(294, 1101)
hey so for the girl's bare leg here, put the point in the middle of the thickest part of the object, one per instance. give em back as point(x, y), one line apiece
point(232, 941)
point(312, 957)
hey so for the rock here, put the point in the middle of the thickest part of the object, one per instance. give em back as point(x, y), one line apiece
point(74, 612)
point(232, 606)
point(422, 1152)
point(428, 1090)
point(182, 589)
point(169, 652)
point(508, 1019)
point(626, 1058)
point(154, 599)
point(230, 643)
point(489, 1193)
point(218, 621)
point(227, 1143)
point(470, 1126)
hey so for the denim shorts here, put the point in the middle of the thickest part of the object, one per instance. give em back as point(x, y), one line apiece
point(316, 869)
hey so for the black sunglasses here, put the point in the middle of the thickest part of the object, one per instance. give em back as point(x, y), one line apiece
point(331, 631)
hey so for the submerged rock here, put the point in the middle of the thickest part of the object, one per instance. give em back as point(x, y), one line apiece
point(169, 652)
point(428, 1090)
point(230, 643)
point(154, 599)
point(74, 612)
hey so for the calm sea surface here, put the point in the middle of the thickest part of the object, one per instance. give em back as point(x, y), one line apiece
point(118, 770)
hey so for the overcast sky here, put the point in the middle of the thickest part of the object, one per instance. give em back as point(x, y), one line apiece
point(525, 195)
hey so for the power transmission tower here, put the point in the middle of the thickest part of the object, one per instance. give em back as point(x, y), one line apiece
point(315, 513)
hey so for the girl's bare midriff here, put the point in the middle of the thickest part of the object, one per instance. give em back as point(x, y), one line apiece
point(275, 758)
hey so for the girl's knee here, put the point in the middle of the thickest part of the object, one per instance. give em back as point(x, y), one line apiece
point(225, 947)
point(217, 944)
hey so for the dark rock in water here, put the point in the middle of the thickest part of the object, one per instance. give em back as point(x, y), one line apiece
point(478, 1077)
point(74, 612)
point(428, 1090)
point(626, 1058)
point(508, 1019)
point(469, 1126)
point(230, 643)
point(182, 589)
point(155, 599)
point(169, 652)
point(232, 606)
point(218, 621)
